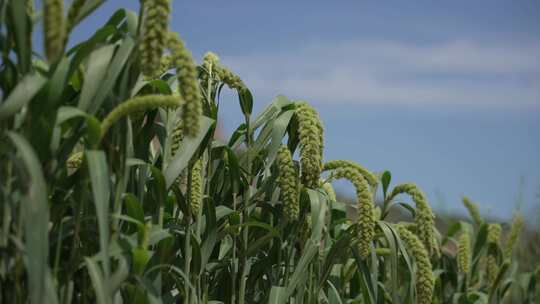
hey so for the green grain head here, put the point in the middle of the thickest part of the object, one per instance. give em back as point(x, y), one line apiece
point(177, 137)
point(210, 59)
point(74, 162)
point(494, 233)
point(513, 235)
point(136, 105)
point(155, 26)
point(464, 253)
point(196, 190)
point(188, 84)
point(55, 31)
point(334, 164)
point(329, 190)
point(492, 267)
point(288, 183)
point(311, 144)
point(473, 210)
point(229, 78)
point(365, 217)
point(424, 218)
point(425, 280)
point(210, 66)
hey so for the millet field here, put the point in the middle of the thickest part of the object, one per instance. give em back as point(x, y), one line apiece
point(115, 189)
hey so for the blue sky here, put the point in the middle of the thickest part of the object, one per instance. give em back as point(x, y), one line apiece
point(446, 95)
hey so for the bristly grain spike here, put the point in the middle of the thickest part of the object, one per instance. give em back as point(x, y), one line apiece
point(368, 175)
point(188, 84)
point(492, 267)
point(288, 183)
point(464, 253)
point(196, 191)
point(425, 280)
point(424, 218)
point(138, 104)
point(154, 30)
point(513, 235)
point(310, 131)
point(55, 31)
point(473, 210)
point(365, 216)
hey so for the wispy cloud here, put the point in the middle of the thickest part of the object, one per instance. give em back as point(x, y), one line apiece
point(390, 72)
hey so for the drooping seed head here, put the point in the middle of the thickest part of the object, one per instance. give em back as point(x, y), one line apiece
point(365, 219)
point(188, 84)
point(492, 267)
point(424, 218)
point(464, 253)
point(334, 164)
point(154, 29)
point(74, 161)
point(513, 236)
point(494, 233)
point(53, 25)
point(195, 198)
point(473, 210)
point(165, 64)
point(210, 60)
point(310, 133)
point(229, 78)
point(177, 137)
point(287, 182)
point(425, 280)
point(138, 104)
point(330, 192)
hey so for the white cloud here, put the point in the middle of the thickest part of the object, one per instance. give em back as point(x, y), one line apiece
point(454, 73)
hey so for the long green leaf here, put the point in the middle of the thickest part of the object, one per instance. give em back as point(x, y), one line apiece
point(22, 94)
point(98, 281)
point(187, 149)
point(99, 177)
point(35, 209)
point(117, 64)
point(97, 67)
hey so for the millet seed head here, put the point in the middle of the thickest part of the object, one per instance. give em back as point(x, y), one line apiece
point(288, 183)
point(154, 31)
point(492, 269)
point(494, 233)
point(138, 104)
point(329, 190)
point(424, 218)
point(188, 84)
point(464, 253)
point(425, 280)
point(473, 210)
point(334, 164)
point(310, 131)
point(195, 198)
point(366, 219)
point(513, 235)
point(55, 31)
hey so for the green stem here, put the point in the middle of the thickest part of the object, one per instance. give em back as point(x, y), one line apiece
point(245, 211)
point(187, 244)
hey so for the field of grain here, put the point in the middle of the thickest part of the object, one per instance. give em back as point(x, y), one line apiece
point(115, 189)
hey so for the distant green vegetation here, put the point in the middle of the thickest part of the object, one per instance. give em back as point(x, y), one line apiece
point(114, 188)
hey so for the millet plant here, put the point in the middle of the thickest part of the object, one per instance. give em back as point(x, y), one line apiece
point(115, 189)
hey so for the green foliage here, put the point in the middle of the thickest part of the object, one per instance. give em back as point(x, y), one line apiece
point(115, 188)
